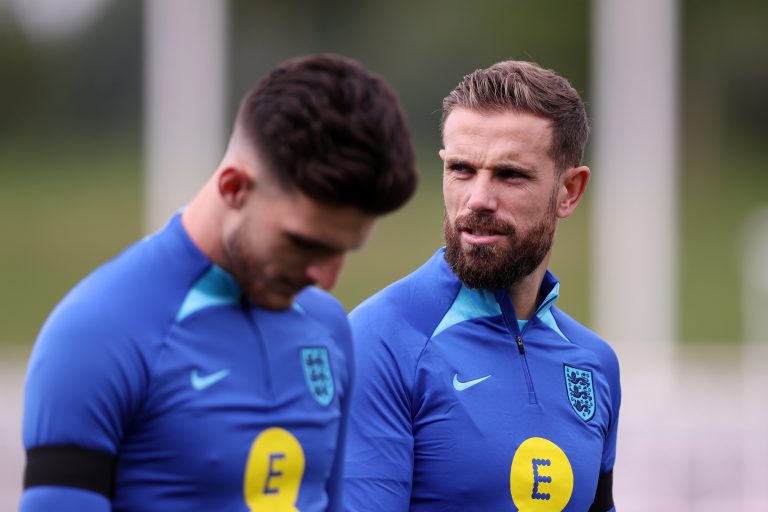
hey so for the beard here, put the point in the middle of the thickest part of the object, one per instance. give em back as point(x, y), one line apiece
point(499, 265)
point(240, 264)
point(268, 282)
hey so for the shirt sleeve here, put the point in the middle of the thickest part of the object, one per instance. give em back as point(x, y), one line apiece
point(63, 499)
point(83, 383)
point(604, 496)
point(609, 450)
point(379, 466)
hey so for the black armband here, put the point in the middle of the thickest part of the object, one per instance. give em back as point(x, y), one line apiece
point(71, 466)
point(604, 494)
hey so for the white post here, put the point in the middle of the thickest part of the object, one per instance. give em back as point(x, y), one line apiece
point(755, 278)
point(634, 206)
point(634, 170)
point(754, 420)
point(185, 89)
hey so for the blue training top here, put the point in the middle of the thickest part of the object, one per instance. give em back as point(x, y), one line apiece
point(460, 406)
point(154, 386)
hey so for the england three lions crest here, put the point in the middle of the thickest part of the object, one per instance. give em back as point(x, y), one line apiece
point(581, 393)
point(317, 373)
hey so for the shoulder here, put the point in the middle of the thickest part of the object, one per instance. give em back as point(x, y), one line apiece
point(118, 315)
point(416, 303)
point(406, 313)
point(588, 340)
point(320, 304)
point(142, 287)
point(93, 358)
point(323, 309)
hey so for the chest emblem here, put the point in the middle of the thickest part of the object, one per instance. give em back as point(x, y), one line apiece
point(581, 393)
point(317, 373)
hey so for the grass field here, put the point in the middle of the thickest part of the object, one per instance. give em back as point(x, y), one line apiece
point(65, 210)
point(61, 214)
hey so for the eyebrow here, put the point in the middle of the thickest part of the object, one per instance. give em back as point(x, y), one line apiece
point(503, 165)
point(311, 244)
point(454, 161)
point(510, 166)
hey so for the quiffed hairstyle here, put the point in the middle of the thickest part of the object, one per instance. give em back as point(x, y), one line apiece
point(333, 130)
point(520, 86)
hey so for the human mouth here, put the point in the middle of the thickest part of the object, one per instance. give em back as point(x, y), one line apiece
point(474, 229)
point(479, 236)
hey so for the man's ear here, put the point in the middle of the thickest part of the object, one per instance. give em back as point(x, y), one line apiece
point(573, 183)
point(234, 184)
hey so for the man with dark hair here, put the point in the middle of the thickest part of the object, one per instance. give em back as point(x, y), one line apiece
point(199, 370)
point(475, 391)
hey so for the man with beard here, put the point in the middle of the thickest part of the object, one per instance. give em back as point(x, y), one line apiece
point(475, 391)
point(199, 370)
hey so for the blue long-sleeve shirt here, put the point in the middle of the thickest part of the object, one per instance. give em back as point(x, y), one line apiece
point(154, 386)
point(460, 406)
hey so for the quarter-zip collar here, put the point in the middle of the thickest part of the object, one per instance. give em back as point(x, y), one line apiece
point(549, 289)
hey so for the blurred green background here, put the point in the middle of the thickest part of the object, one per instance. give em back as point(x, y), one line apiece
point(71, 117)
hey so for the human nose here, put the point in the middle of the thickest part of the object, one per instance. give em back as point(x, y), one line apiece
point(482, 197)
point(325, 272)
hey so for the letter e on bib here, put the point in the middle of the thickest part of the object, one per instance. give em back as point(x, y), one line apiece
point(273, 472)
point(541, 477)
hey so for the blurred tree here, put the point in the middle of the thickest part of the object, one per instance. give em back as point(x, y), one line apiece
point(23, 69)
point(87, 89)
point(422, 48)
point(724, 127)
point(87, 85)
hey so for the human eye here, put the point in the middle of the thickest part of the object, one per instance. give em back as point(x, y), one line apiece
point(459, 169)
point(311, 246)
point(512, 173)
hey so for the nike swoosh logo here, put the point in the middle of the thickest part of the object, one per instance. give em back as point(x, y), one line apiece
point(201, 382)
point(461, 386)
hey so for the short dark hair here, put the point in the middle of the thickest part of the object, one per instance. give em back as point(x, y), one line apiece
point(333, 130)
point(520, 86)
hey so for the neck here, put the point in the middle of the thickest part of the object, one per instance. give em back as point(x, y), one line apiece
point(202, 219)
point(525, 293)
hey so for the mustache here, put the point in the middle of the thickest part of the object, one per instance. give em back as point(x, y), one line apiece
point(480, 222)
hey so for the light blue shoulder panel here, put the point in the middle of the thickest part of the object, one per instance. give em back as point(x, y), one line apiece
point(469, 304)
point(215, 288)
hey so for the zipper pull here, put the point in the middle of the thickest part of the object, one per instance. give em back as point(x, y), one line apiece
point(519, 340)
